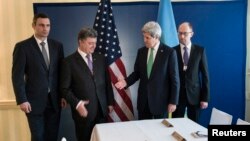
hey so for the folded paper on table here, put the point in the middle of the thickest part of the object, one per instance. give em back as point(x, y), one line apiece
point(165, 122)
point(178, 137)
point(199, 134)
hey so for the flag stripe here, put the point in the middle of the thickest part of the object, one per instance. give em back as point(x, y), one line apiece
point(122, 92)
point(121, 66)
point(108, 45)
point(119, 112)
point(123, 105)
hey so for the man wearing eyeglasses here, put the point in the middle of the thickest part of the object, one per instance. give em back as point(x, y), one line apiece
point(193, 73)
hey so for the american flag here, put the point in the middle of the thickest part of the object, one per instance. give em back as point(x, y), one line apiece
point(108, 44)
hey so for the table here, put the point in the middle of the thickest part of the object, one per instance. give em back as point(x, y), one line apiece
point(147, 130)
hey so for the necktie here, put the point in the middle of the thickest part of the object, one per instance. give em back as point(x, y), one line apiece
point(45, 55)
point(150, 62)
point(185, 56)
point(90, 64)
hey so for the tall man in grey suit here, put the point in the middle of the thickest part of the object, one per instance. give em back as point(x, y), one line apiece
point(86, 85)
point(35, 77)
point(156, 67)
point(194, 78)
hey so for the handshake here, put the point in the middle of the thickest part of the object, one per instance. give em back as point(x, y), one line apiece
point(121, 83)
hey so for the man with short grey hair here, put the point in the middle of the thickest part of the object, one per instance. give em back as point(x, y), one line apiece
point(156, 67)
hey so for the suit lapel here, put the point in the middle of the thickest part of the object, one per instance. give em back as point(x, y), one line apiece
point(94, 60)
point(191, 56)
point(157, 60)
point(179, 57)
point(52, 55)
point(144, 61)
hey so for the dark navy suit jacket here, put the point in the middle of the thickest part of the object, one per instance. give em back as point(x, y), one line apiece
point(77, 83)
point(162, 87)
point(30, 76)
point(196, 78)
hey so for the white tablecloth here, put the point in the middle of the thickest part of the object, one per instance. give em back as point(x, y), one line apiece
point(147, 130)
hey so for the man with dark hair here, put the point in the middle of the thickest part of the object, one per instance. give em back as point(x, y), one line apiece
point(85, 83)
point(35, 77)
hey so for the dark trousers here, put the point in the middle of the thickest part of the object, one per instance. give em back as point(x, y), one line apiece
point(44, 127)
point(193, 111)
point(146, 114)
point(84, 126)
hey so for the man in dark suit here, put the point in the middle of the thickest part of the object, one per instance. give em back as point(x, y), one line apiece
point(35, 77)
point(194, 78)
point(156, 67)
point(86, 85)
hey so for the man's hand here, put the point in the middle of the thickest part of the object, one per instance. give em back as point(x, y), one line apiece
point(25, 107)
point(63, 103)
point(171, 108)
point(110, 108)
point(203, 105)
point(82, 110)
point(120, 84)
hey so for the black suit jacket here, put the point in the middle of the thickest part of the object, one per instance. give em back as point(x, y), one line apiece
point(162, 88)
point(77, 83)
point(30, 76)
point(196, 78)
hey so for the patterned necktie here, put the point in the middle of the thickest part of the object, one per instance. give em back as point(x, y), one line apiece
point(45, 55)
point(185, 56)
point(150, 62)
point(90, 63)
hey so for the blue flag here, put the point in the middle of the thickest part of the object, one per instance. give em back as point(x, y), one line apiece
point(166, 20)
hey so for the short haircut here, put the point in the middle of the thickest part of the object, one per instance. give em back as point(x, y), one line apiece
point(188, 24)
point(153, 28)
point(87, 32)
point(39, 15)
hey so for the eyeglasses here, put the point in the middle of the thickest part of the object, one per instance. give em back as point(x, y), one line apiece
point(184, 33)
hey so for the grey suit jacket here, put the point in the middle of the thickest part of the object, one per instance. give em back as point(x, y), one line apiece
point(196, 78)
point(162, 88)
point(77, 83)
point(30, 76)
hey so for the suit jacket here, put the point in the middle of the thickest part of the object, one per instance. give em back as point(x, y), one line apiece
point(77, 83)
point(30, 76)
point(162, 87)
point(196, 78)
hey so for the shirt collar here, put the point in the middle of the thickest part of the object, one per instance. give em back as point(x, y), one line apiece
point(39, 41)
point(83, 54)
point(188, 46)
point(156, 47)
